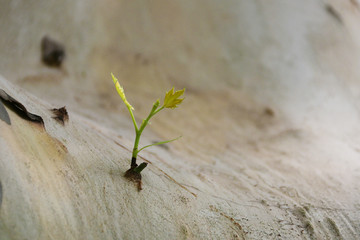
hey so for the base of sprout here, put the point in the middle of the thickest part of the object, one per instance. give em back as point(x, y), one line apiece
point(133, 174)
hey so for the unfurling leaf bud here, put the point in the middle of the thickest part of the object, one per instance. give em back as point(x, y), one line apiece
point(172, 99)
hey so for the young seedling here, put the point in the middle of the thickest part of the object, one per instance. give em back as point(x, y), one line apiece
point(171, 100)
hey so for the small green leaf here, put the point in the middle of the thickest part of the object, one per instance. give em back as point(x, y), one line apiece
point(172, 99)
point(158, 143)
point(121, 92)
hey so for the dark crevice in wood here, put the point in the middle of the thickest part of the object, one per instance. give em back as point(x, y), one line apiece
point(18, 108)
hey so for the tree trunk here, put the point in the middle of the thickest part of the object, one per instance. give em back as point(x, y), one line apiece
point(270, 123)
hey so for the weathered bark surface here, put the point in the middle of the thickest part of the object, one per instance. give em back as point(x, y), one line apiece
point(270, 124)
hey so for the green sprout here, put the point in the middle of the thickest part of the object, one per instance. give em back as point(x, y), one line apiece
point(171, 100)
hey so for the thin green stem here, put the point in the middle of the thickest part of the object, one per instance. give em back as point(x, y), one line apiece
point(136, 144)
point(138, 131)
point(133, 119)
point(159, 110)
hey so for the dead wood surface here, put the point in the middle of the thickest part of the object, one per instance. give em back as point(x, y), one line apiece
point(270, 123)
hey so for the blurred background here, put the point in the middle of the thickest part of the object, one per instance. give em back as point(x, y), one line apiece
point(280, 55)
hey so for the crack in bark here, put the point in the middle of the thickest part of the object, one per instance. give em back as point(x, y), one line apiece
point(18, 108)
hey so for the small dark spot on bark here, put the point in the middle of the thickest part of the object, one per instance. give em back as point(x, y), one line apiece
point(263, 202)
point(18, 108)
point(4, 115)
point(269, 112)
point(60, 115)
point(334, 13)
point(52, 52)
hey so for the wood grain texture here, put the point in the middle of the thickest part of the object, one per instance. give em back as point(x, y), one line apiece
point(269, 123)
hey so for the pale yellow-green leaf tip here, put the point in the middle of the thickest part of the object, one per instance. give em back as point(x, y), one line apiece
point(171, 99)
point(120, 91)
